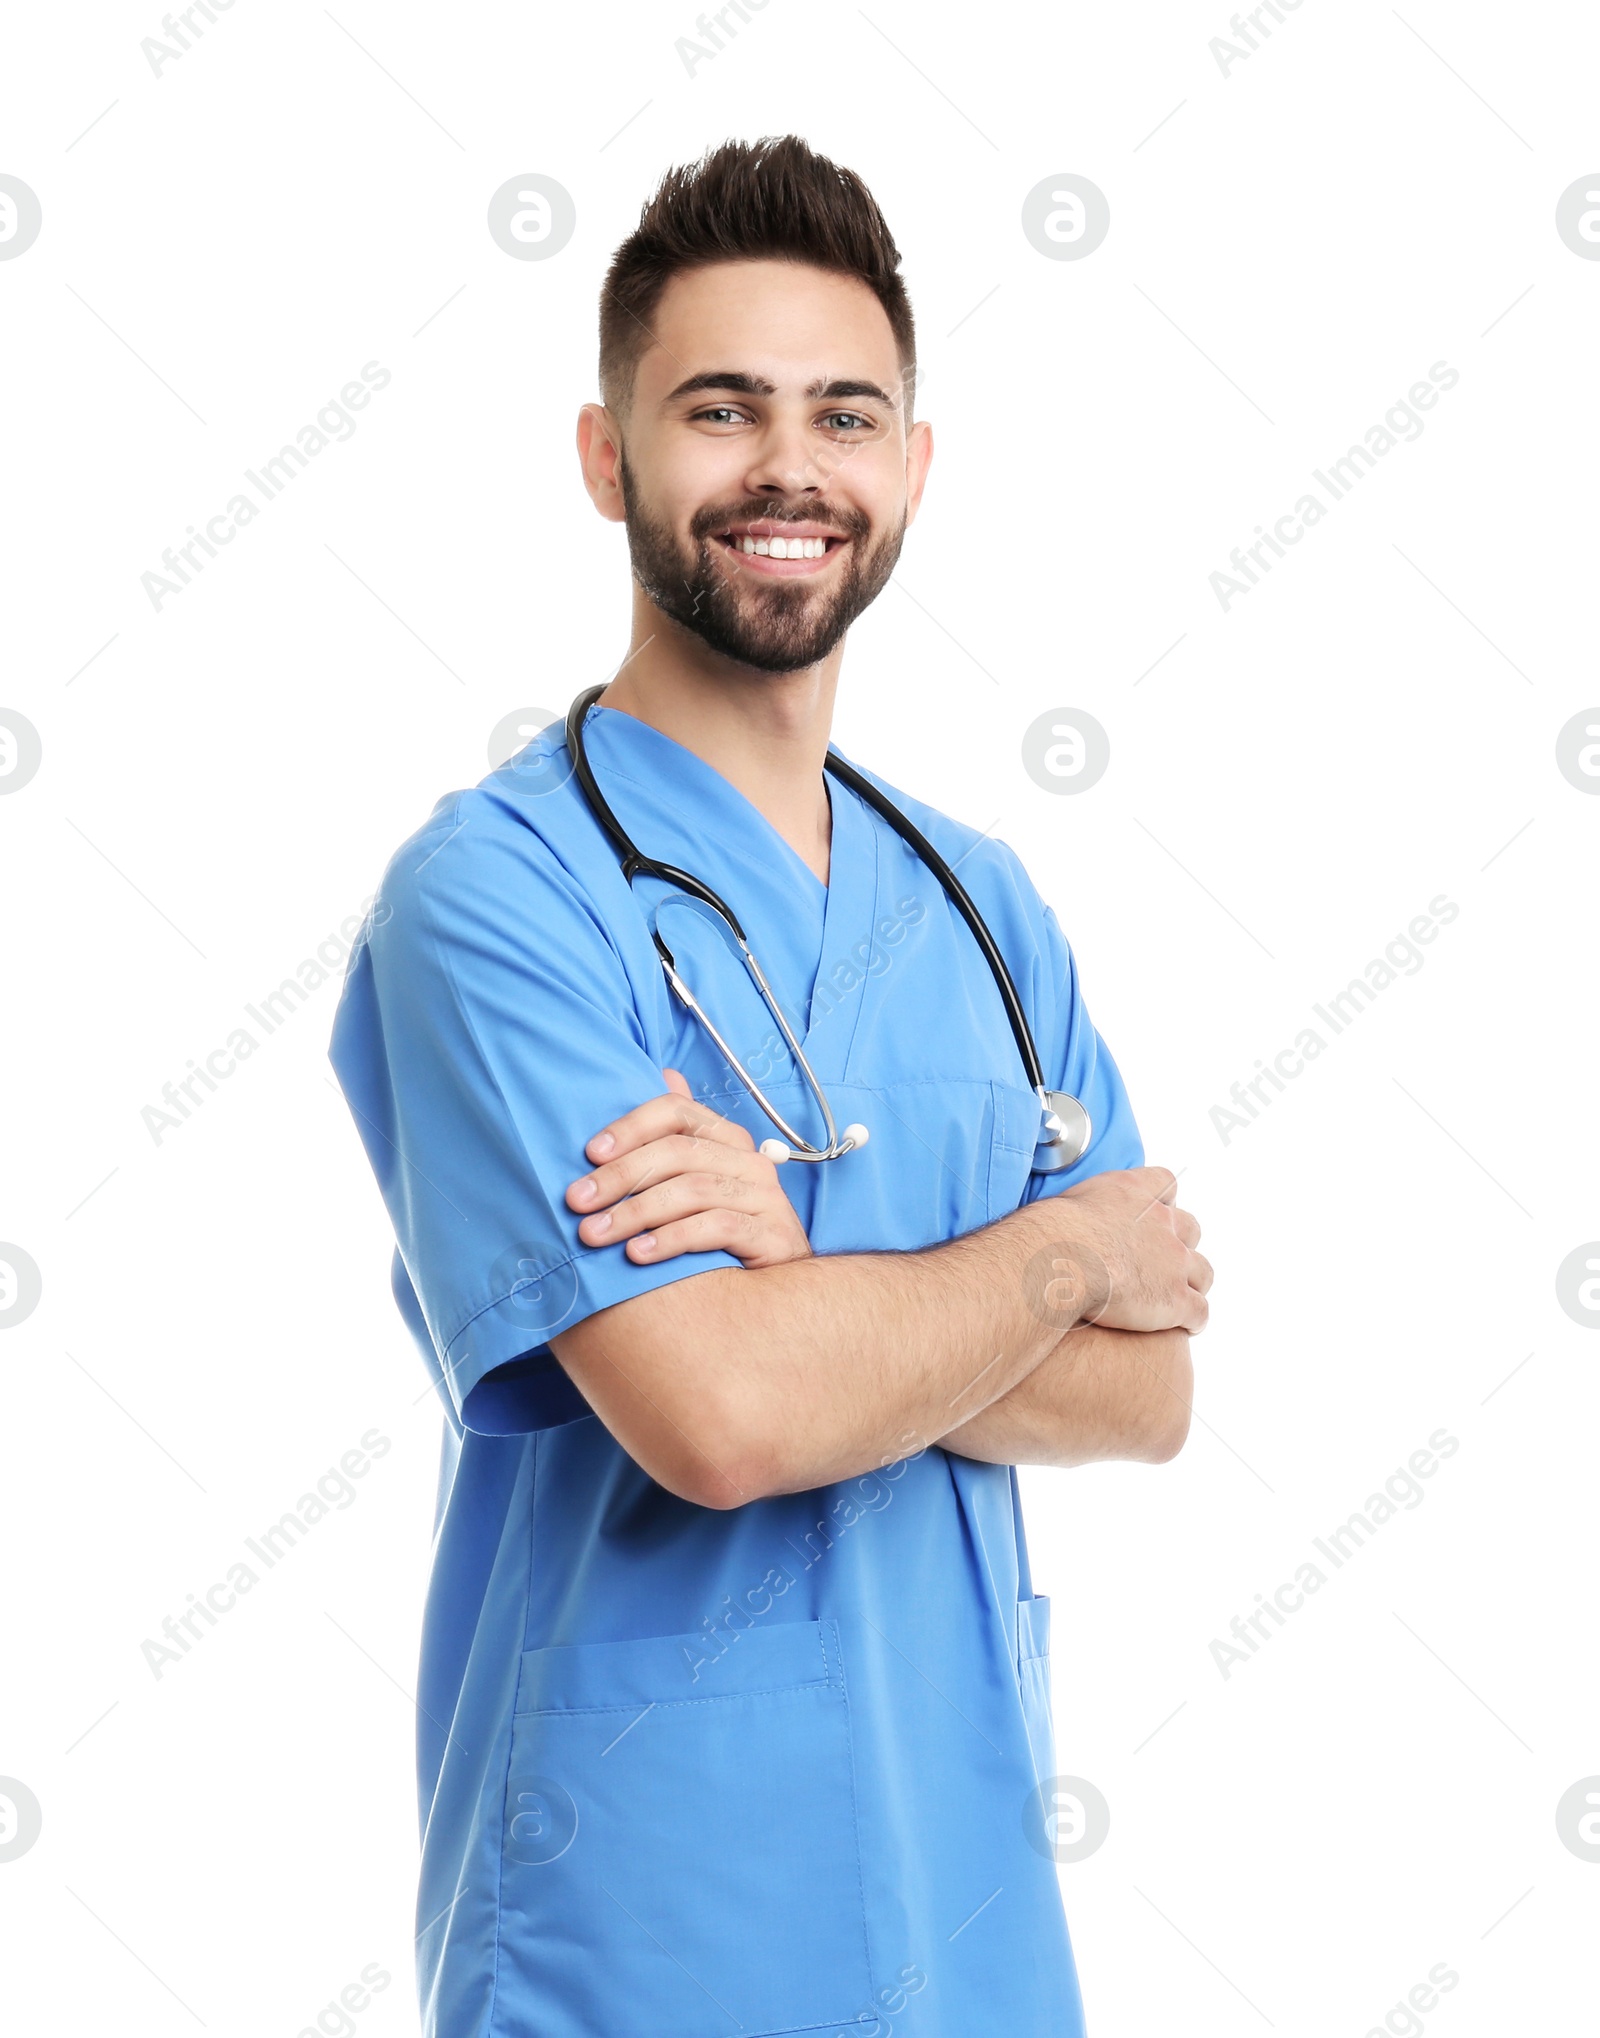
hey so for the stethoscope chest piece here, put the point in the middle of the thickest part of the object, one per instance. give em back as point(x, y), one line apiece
point(1064, 1133)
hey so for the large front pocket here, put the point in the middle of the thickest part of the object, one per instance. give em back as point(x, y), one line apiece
point(679, 1853)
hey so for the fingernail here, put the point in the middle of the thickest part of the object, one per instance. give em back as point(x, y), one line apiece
point(586, 1190)
point(646, 1241)
point(599, 1224)
point(601, 1144)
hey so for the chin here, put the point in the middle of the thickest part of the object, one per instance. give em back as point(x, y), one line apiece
point(774, 656)
point(743, 640)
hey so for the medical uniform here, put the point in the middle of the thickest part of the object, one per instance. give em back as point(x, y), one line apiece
point(685, 1772)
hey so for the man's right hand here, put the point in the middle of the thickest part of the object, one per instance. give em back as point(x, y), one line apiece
point(1127, 1253)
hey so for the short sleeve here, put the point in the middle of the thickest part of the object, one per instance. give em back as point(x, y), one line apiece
point(487, 1029)
point(1077, 1060)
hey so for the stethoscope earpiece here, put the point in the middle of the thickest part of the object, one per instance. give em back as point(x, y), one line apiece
point(777, 1152)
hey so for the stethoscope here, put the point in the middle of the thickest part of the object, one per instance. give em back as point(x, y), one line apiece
point(1064, 1130)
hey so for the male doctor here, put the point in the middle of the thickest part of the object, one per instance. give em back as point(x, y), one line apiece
point(734, 1697)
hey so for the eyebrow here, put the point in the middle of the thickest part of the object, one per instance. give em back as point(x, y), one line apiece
point(735, 382)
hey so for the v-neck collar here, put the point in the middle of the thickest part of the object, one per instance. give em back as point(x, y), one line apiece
point(848, 919)
point(649, 760)
point(684, 763)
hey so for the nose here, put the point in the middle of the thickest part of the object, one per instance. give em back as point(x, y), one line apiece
point(784, 460)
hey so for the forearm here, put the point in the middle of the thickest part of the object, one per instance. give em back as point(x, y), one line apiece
point(740, 1383)
point(1098, 1394)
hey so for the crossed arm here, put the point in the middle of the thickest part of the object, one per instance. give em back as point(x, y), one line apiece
point(1058, 1335)
point(1099, 1394)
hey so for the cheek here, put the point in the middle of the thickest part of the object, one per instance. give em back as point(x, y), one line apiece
point(868, 480)
point(671, 492)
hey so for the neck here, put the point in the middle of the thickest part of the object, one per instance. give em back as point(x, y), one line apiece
point(765, 732)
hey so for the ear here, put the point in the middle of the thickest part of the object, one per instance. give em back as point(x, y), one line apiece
point(600, 455)
point(919, 456)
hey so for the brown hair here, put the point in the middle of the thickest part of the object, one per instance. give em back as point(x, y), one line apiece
point(773, 199)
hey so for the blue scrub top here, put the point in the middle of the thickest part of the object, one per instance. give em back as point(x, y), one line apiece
point(685, 1772)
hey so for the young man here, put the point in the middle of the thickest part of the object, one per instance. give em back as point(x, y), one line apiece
point(734, 1701)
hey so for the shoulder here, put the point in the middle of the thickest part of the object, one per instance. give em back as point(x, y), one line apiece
point(509, 860)
point(525, 815)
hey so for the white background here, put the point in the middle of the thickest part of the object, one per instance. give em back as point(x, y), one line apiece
point(1292, 779)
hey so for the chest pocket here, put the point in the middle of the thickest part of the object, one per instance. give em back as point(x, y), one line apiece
point(944, 1157)
point(1011, 1149)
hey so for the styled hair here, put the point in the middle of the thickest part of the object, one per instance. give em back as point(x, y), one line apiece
point(768, 200)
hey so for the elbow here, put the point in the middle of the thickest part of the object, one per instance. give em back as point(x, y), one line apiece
point(721, 1457)
point(738, 1470)
point(1169, 1429)
point(680, 1412)
point(1168, 1439)
point(705, 1481)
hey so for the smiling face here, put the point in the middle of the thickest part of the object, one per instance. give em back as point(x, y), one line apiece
point(767, 471)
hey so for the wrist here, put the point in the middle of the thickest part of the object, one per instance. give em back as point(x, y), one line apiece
point(1065, 1282)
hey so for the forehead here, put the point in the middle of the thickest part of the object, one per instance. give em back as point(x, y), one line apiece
point(788, 322)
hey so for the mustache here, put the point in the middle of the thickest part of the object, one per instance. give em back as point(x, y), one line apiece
point(854, 523)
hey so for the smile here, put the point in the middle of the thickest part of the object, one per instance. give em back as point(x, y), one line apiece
point(797, 551)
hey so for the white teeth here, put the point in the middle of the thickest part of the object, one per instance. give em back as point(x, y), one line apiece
point(784, 548)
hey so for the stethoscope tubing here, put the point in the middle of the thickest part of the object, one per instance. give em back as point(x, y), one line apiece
point(957, 894)
point(635, 863)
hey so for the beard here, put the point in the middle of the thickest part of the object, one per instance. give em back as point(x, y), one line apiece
point(775, 625)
